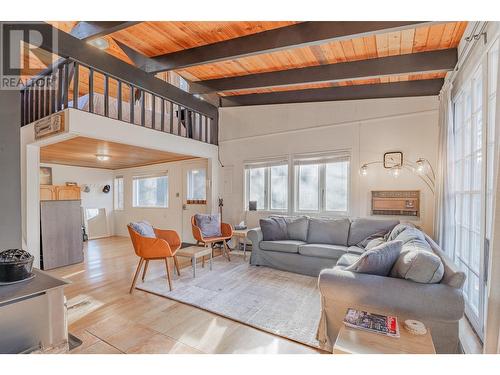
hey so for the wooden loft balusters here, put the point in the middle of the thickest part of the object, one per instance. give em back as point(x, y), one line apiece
point(71, 79)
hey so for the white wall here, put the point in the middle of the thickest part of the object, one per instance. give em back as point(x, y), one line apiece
point(166, 218)
point(367, 128)
point(95, 178)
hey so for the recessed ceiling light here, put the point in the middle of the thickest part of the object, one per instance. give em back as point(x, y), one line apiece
point(100, 43)
point(102, 157)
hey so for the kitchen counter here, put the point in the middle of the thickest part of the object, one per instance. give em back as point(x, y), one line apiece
point(33, 314)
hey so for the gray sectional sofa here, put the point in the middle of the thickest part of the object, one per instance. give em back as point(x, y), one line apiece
point(329, 248)
point(315, 244)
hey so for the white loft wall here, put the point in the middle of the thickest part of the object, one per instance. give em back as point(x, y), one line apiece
point(166, 218)
point(95, 178)
point(368, 128)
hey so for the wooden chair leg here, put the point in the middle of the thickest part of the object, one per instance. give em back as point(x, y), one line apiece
point(226, 248)
point(167, 265)
point(203, 261)
point(139, 266)
point(176, 262)
point(145, 270)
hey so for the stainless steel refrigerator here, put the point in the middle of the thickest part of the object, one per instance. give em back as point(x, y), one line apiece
point(61, 233)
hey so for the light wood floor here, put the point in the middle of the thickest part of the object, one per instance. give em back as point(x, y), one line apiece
point(108, 319)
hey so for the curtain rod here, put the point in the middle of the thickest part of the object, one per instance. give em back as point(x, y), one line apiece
point(465, 53)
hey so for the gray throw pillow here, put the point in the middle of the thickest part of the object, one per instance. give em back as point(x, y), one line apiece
point(374, 243)
point(397, 230)
point(376, 236)
point(143, 228)
point(296, 226)
point(379, 260)
point(364, 227)
point(273, 229)
point(208, 224)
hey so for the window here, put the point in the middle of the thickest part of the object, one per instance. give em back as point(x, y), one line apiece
point(196, 185)
point(267, 184)
point(150, 191)
point(469, 155)
point(473, 161)
point(322, 184)
point(118, 193)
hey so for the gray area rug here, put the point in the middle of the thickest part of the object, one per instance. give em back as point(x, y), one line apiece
point(279, 302)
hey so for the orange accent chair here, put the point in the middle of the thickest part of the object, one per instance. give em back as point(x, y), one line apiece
point(163, 247)
point(227, 233)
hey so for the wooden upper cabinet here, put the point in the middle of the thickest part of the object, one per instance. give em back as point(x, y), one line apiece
point(59, 192)
point(67, 193)
point(47, 193)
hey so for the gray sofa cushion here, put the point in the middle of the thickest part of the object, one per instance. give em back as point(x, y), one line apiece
point(297, 228)
point(322, 250)
point(208, 224)
point(285, 246)
point(347, 260)
point(328, 231)
point(363, 228)
point(417, 262)
point(274, 228)
point(379, 260)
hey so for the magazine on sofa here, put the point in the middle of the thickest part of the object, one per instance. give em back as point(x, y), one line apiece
point(382, 324)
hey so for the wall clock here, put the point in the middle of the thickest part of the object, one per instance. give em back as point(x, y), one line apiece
point(392, 159)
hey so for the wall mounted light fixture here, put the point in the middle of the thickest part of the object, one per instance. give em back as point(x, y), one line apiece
point(421, 167)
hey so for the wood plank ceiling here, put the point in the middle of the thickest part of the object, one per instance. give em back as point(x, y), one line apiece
point(156, 41)
point(82, 152)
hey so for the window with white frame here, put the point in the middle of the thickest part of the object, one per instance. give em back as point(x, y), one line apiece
point(118, 193)
point(473, 161)
point(267, 184)
point(197, 184)
point(469, 155)
point(150, 191)
point(322, 184)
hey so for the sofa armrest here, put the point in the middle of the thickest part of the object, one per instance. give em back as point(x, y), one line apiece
point(255, 235)
point(387, 294)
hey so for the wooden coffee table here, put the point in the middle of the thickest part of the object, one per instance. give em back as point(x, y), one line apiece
point(355, 341)
point(196, 252)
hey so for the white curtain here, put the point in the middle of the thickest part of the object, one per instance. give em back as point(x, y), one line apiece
point(444, 229)
point(492, 324)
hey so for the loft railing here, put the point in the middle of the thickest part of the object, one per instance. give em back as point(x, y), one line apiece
point(70, 84)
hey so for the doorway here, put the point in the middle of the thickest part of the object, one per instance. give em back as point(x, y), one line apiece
point(194, 195)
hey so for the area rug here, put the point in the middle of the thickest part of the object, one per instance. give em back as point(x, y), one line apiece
point(279, 302)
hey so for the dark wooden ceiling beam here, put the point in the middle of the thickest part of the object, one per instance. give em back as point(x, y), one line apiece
point(88, 30)
point(423, 62)
point(137, 58)
point(71, 47)
point(298, 35)
point(382, 90)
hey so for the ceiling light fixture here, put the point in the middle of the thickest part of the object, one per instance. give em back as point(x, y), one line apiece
point(102, 157)
point(100, 43)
